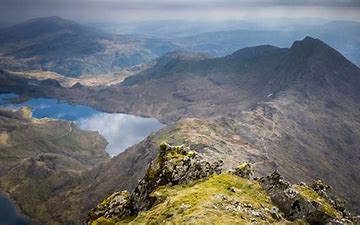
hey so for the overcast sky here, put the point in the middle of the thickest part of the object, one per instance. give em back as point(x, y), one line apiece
point(128, 10)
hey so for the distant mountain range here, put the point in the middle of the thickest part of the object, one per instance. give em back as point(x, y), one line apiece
point(295, 110)
point(70, 49)
point(63, 46)
point(342, 35)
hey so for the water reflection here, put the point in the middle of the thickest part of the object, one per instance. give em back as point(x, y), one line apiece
point(120, 130)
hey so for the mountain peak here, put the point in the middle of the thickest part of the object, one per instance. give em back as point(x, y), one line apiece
point(307, 41)
point(309, 45)
point(314, 48)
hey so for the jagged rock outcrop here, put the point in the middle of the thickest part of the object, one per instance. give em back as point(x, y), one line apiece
point(118, 204)
point(180, 188)
point(244, 170)
point(174, 165)
point(325, 191)
point(303, 202)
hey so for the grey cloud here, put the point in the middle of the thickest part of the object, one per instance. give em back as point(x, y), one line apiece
point(115, 10)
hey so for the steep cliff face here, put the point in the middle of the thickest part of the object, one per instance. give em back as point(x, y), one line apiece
point(181, 188)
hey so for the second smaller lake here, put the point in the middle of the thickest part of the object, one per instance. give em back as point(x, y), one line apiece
point(120, 130)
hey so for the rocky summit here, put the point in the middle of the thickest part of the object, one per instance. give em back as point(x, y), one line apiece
point(181, 188)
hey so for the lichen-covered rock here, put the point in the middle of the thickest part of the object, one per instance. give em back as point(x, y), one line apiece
point(243, 170)
point(173, 165)
point(302, 202)
point(326, 192)
point(183, 166)
point(356, 219)
point(286, 198)
point(118, 204)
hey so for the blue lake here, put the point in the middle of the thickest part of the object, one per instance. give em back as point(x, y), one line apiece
point(120, 130)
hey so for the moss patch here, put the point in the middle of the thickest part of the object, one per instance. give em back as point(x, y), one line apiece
point(311, 195)
point(104, 221)
point(199, 203)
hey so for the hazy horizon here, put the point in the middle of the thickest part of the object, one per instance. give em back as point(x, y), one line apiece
point(112, 11)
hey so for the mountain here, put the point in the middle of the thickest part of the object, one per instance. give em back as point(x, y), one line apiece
point(283, 101)
point(70, 49)
point(222, 86)
point(342, 35)
point(295, 110)
point(63, 46)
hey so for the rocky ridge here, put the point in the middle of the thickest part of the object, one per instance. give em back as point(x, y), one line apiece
point(179, 187)
point(174, 165)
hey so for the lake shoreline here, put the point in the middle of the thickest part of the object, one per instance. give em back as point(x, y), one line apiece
point(121, 130)
point(19, 212)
